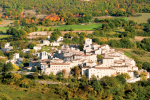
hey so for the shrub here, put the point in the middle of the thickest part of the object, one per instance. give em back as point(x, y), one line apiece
point(25, 83)
point(51, 76)
point(35, 75)
point(44, 76)
point(4, 97)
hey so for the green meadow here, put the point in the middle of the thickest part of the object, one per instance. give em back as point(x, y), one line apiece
point(4, 36)
point(88, 27)
point(140, 19)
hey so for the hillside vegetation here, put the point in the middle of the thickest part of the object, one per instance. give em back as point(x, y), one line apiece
point(66, 8)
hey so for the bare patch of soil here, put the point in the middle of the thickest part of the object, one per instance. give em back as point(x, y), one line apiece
point(139, 38)
point(6, 22)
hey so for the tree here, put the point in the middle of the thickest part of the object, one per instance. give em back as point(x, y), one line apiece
point(32, 51)
point(16, 76)
point(146, 66)
point(4, 96)
point(45, 77)
point(84, 78)
point(143, 75)
point(59, 76)
point(21, 65)
point(140, 91)
point(81, 46)
point(121, 79)
point(1, 53)
point(35, 75)
point(51, 76)
point(64, 72)
point(99, 57)
point(23, 22)
point(93, 78)
point(135, 73)
point(21, 54)
point(126, 75)
point(16, 23)
point(97, 86)
point(1, 66)
point(8, 67)
point(109, 81)
point(96, 20)
point(31, 45)
point(77, 71)
point(15, 67)
point(55, 35)
point(148, 20)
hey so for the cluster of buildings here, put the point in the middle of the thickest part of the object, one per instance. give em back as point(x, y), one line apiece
point(47, 42)
point(7, 47)
point(70, 56)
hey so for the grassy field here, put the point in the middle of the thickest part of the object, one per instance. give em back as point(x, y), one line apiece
point(91, 26)
point(109, 17)
point(36, 93)
point(3, 36)
point(3, 28)
point(140, 19)
point(143, 58)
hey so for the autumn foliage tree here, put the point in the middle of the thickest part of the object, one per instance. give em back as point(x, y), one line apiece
point(64, 72)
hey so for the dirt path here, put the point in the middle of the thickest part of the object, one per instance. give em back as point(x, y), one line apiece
point(42, 33)
point(139, 38)
point(50, 82)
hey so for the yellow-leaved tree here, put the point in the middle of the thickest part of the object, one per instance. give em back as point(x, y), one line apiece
point(15, 67)
point(143, 75)
point(16, 76)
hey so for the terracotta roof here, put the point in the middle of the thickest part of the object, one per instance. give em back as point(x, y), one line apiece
point(120, 66)
point(59, 63)
point(108, 58)
point(130, 71)
point(104, 68)
point(87, 67)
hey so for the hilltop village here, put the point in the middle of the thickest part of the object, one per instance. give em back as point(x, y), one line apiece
point(69, 56)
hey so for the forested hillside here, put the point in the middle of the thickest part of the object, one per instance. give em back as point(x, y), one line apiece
point(67, 8)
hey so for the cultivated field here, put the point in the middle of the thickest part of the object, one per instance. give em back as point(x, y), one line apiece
point(75, 27)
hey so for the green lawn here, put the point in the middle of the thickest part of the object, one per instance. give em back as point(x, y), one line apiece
point(128, 54)
point(3, 28)
point(91, 26)
point(3, 36)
